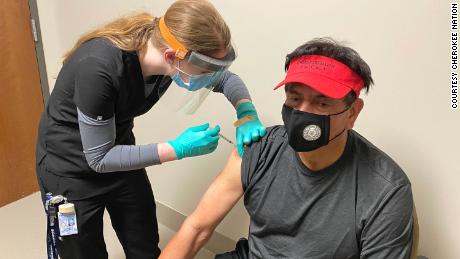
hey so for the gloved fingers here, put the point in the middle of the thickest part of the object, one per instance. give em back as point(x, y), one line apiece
point(214, 131)
point(208, 149)
point(247, 138)
point(212, 139)
point(239, 144)
point(199, 128)
point(262, 131)
point(255, 135)
point(240, 150)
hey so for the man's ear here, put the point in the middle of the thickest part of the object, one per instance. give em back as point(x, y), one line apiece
point(355, 109)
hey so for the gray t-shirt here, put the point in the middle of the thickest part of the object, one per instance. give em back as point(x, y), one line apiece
point(358, 207)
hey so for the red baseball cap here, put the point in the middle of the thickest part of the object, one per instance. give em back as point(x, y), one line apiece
point(323, 74)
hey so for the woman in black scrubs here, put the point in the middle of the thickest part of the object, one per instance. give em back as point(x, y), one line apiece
point(86, 149)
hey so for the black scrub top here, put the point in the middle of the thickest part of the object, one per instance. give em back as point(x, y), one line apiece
point(102, 81)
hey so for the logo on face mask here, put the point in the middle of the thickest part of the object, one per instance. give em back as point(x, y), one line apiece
point(307, 131)
point(312, 132)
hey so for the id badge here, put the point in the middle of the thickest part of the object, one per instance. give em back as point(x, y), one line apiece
point(67, 221)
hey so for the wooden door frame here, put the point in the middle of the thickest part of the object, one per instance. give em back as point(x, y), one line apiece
point(39, 50)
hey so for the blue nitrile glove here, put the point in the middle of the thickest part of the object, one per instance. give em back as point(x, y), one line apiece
point(249, 131)
point(196, 141)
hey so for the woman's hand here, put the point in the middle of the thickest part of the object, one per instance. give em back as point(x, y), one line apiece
point(196, 141)
point(251, 130)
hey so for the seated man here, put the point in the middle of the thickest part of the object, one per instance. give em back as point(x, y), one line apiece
point(314, 188)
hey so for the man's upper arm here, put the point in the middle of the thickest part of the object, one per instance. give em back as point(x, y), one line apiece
point(223, 193)
point(388, 232)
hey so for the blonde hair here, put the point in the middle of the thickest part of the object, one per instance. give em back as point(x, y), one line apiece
point(195, 23)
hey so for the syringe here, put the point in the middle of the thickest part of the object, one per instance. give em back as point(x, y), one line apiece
point(226, 139)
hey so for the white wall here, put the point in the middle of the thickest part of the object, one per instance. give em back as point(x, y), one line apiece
point(407, 113)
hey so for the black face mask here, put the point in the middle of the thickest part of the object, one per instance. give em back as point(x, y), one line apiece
point(307, 131)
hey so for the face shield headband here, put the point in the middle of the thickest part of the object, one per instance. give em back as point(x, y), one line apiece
point(193, 57)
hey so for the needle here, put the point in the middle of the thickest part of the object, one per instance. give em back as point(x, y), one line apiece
point(226, 139)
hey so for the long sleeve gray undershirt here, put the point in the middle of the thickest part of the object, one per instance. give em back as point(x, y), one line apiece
point(101, 153)
point(98, 137)
point(232, 87)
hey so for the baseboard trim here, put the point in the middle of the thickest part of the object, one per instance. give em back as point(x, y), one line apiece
point(173, 219)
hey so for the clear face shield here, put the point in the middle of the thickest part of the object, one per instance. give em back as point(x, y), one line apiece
point(204, 71)
point(202, 74)
point(199, 86)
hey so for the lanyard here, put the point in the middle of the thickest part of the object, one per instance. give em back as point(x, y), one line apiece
point(52, 231)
